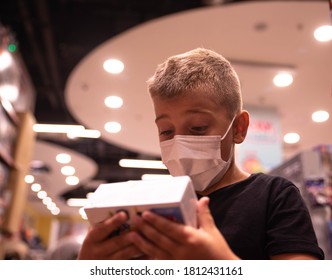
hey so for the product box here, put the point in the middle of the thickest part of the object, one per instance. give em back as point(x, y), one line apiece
point(173, 198)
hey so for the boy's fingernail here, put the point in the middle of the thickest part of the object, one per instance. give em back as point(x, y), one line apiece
point(124, 212)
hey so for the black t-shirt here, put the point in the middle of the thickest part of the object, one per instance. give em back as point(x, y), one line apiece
point(264, 216)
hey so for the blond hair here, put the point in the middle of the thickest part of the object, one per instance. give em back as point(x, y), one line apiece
point(198, 70)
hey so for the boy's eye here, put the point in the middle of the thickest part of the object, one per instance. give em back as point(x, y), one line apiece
point(198, 129)
point(165, 132)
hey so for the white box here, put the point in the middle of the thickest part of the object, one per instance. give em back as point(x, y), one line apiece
point(173, 198)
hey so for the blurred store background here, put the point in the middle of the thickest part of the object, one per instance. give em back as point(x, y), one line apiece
point(75, 111)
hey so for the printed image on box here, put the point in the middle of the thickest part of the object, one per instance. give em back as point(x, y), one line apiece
point(173, 198)
point(172, 213)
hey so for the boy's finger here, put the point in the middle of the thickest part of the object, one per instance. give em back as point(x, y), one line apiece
point(104, 229)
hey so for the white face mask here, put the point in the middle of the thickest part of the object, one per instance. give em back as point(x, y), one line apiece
point(198, 157)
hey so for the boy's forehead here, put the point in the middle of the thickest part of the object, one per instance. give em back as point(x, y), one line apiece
point(191, 100)
point(186, 104)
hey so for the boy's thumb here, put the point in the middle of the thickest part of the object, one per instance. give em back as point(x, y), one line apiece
point(204, 216)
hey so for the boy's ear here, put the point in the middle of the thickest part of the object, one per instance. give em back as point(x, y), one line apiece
point(240, 127)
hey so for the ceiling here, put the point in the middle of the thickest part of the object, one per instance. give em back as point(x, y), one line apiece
point(64, 43)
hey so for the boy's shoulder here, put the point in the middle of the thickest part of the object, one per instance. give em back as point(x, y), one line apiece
point(272, 184)
point(264, 180)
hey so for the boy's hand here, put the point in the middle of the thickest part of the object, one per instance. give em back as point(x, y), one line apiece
point(160, 238)
point(98, 245)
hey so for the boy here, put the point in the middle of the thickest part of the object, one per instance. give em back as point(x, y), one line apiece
point(198, 106)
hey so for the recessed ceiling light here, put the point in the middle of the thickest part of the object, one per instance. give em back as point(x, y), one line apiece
point(320, 116)
point(51, 206)
point(283, 79)
point(42, 194)
point(323, 33)
point(29, 179)
point(55, 211)
point(9, 92)
point(47, 200)
point(72, 180)
point(63, 158)
point(113, 66)
point(113, 127)
point(68, 170)
point(35, 187)
point(292, 138)
point(113, 102)
point(5, 60)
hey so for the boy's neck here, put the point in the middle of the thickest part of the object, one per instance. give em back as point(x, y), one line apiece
point(233, 175)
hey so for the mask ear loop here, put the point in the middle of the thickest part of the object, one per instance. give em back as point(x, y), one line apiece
point(227, 162)
point(228, 129)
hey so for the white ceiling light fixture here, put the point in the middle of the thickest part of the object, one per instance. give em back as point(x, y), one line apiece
point(72, 180)
point(292, 138)
point(5, 60)
point(87, 133)
point(42, 194)
point(57, 128)
point(63, 158)
point(35, 187)
point(47, 200)
point(113, 66)
point(137, 163)
point(77, 202)
point(51, 206)
point(113, 102)
point(68, 170)
point(9, 92)
point(29, 179)
point(55, 211)
point(283, 79)
point(113, 127)
point(320, 116)
point(323, 33)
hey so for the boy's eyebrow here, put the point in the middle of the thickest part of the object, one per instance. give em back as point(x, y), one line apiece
point(192, 111)
point(162, 116)
point(198, 111)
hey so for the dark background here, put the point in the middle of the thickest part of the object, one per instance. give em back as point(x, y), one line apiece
point(53, 36)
